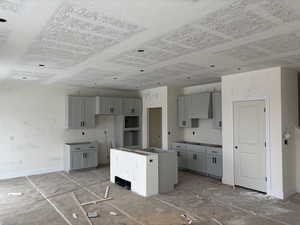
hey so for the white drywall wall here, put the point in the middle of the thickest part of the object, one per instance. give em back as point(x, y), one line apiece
point(257, 84)
point(289, 85)
point(155, 98)
point(205, 133)
point(32, 127)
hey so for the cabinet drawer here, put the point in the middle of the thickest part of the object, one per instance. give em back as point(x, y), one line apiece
point(178, 146)
point(214, 150)
point(197, 148)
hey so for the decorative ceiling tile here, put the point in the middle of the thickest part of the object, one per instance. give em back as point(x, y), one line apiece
point(244, 53)
point(280, 43)
point(74, 34)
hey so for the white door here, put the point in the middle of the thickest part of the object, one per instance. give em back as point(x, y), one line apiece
point(249, 144)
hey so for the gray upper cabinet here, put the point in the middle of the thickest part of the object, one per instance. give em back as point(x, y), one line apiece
point(80, 112)
point(132, 106)
point(108, 105)
point(200, 106)
point(217, 110)
point(183, 104)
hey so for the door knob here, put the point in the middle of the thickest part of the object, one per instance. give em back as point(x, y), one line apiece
point(236, 147)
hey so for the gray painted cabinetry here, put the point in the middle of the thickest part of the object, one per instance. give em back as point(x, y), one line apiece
point(132, 106)
point(80, 112)
point(192, 108)
point(199, 158)
point(217, 110)
point(81, 155)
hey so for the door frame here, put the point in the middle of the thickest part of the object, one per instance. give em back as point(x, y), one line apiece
point(268, 147)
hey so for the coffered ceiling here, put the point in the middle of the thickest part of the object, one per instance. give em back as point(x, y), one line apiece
point(137, 44)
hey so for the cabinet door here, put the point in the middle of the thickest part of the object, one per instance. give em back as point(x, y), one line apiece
point(75, 113)
point(209, 163)
point(214, 165)
point(200, 106)
point(217, 110)
point(117, 106)
point(105, 105)
point(183, 111)
point(91, 159)
point(89, 112)
point(76, 160)
point(201, 164)
point(132, 106)
point(193, 160)
point(182, 159)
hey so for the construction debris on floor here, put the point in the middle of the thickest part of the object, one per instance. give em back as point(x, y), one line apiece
point(87, 198)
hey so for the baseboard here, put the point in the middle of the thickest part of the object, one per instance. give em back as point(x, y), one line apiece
point(29, 173)
point(290, 192)
point(227, 182)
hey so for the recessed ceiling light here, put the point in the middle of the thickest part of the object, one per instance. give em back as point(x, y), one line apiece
point(140, 50)
point(2, 20)
point(212, 66)
point(142, 70)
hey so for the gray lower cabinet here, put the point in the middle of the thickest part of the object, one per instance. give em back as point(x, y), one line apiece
point(182, 154)
point(214, 162)
point(202, 159)
point(182, 159)
point(81, 155)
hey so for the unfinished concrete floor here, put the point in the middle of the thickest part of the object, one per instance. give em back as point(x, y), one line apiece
point(47, 200)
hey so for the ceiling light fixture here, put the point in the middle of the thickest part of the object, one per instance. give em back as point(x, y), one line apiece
point(140, 50)
point(2, 20)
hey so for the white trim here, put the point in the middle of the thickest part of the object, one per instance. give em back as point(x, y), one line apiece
point(29, 173)
point(268, 148)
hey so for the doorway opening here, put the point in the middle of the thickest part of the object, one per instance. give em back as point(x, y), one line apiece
point(155, 127)
point(250, 157)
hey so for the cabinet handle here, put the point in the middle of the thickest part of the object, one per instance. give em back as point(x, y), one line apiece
point(83, 123)
point(220, 123)
point(194, 156)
